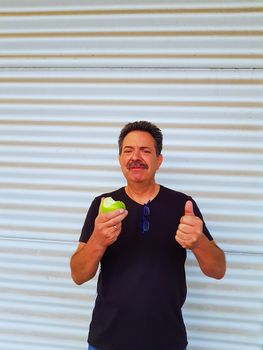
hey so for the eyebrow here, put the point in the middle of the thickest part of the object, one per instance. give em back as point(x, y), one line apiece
point(142, 147)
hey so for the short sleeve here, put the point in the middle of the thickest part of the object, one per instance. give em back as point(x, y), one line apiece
point(199, 214)
point(88, 226)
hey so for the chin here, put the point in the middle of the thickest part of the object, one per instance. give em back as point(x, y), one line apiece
point(136, 179)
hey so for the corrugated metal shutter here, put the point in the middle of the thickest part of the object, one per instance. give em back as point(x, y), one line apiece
point(58, 139)
point(147, 33)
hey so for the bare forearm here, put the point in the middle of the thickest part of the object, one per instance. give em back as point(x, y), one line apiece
point(84, 263)
point(211, 258)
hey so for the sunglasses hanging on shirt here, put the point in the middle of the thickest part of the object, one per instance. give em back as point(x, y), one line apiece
point(145, 225)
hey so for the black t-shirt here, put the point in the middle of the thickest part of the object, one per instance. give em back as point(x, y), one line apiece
point(141, 285)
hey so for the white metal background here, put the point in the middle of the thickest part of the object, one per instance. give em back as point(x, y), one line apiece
point(72, 73)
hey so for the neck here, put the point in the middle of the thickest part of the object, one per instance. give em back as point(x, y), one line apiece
point(142, 193)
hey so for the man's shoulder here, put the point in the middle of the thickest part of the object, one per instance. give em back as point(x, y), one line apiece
point(174, 194)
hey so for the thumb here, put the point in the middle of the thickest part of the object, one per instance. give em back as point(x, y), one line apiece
point(189, 210)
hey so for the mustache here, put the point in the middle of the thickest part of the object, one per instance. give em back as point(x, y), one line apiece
point(137, 164)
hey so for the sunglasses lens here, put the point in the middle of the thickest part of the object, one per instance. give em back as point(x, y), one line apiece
point(146, 210)
point(146, 225)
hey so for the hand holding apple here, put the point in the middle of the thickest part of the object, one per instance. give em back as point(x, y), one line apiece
point(190, 228)
point(109, 221)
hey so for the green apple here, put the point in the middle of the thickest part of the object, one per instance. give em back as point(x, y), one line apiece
point(109, 204)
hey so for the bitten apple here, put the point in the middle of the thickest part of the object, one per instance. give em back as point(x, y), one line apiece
point(109, 204)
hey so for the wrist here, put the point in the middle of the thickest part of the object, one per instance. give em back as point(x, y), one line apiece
point(200, 243)
point(97, 245)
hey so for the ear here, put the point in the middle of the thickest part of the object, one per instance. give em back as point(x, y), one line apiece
point(159, 161)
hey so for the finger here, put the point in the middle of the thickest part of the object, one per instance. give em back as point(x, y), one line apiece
point(111, 237)
point(117, 215)
point(117, 232)
point(113, 232)
point(190, 220)
point(185, 240)
point(115, 221)
point(183, 236)
point(188, 209)
point(186, 229)
point(182, 242)
point(116, 228)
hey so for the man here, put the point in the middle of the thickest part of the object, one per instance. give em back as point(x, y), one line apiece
point(141, 252)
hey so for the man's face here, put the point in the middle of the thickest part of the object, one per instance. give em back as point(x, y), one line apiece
point(138, 159)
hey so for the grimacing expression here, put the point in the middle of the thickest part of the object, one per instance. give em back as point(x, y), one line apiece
point(138, 159)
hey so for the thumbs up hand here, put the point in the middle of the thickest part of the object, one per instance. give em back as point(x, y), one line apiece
point(190, 229)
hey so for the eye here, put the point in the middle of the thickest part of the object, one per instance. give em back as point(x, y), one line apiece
point(127, 151)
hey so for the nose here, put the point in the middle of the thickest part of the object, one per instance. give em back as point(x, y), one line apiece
point(136, 154)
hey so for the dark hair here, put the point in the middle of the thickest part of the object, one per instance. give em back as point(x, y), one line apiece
point(143, 126)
